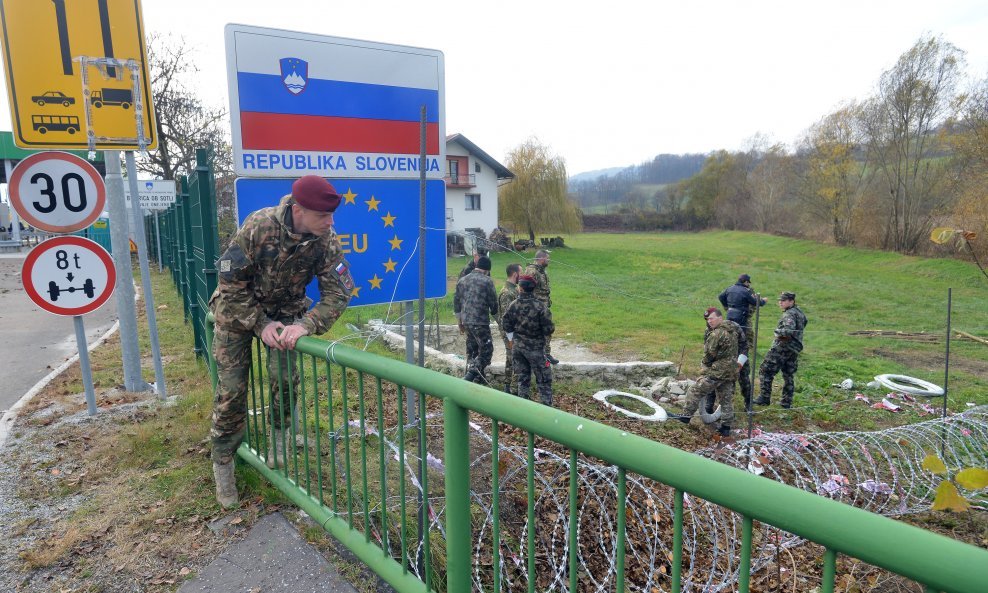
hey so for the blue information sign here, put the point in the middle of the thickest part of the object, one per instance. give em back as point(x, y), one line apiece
point(378, 224)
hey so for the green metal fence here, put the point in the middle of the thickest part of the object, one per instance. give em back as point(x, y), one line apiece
point(357, 462)
point(189, 244)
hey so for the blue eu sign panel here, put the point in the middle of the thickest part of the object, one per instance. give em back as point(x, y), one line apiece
point(378, 224)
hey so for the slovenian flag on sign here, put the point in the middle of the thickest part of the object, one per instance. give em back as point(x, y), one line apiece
point(333, 107)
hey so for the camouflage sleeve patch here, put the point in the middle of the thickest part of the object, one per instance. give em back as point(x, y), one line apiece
point(234, 264)
point(343, 274)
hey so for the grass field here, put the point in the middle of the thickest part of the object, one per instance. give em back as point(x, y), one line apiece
point(641, 296)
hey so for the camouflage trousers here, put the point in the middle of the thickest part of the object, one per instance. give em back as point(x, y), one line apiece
point(508, 366)
point(480, 347)
point(744, 382)
point(777, 360)
point(527, 362)
point(232, 353)
point(705, 386)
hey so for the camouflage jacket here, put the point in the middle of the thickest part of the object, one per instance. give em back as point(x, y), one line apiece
point(530, 321)
point(789, 332)
point(264, 272)
point(475, 300)
point(542, 285)
point(466, 270)
point(507, 296)
point(720, 352)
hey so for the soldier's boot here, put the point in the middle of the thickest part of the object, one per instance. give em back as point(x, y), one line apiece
point(275, 456)
point(710, 403)
point(763, 401)
point(226, 485)
point(724, 430)
point(551, 360)
point(471, 375)
point(786, 403)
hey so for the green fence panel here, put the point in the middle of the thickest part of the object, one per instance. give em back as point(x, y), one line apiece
point(347, 408)
point(203, 242)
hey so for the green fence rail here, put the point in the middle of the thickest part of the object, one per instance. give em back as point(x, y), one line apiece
point(356, 461)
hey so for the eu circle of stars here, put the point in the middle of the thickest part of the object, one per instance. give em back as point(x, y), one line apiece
point(377, 223)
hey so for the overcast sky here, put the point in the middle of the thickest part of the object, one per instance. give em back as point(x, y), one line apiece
point(615, 83)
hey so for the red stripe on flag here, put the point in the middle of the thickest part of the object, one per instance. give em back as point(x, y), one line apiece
point(276, 131)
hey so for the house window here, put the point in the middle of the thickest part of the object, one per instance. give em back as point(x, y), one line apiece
point(476, 167)
point(454, 170)
point(473, 202)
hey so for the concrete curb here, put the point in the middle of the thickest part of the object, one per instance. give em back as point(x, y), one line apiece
point(10, 416)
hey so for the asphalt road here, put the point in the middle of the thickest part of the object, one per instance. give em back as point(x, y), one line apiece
point(33, 341)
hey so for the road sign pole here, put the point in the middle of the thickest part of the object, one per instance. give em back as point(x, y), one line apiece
point(87, 372)
point(15, 221)
point(142, 258)
point(119, 241)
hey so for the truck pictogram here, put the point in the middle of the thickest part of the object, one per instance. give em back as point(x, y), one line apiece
point(108, 96)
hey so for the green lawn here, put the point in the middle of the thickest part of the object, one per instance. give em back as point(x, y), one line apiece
point(642, 296)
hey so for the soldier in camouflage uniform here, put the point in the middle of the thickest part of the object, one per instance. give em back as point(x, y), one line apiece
point(719, 369)
point(261, 292)
point(472, 265)
point(474, 302)
point(543, 288)
point(741, 303)
point(528, 323)
point(784, 354)
point(507, 296)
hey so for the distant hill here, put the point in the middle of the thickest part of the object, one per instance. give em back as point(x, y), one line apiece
point(591, 175)
point(605, 187)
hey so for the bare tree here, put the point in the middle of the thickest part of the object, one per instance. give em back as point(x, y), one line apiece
point(915, 98)
point(185, 122)
point(770, 181)
point(536, 200)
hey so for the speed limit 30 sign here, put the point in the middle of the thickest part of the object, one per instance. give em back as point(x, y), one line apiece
point(57, 192)
point(69, 275)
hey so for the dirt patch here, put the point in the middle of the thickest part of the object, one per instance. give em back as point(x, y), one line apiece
point(933, 361)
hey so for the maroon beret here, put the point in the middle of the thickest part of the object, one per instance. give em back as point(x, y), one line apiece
point(710, 311)
point(315, 193)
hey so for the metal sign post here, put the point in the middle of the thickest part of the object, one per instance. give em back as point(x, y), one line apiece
point(87, 371)
point(142, 258)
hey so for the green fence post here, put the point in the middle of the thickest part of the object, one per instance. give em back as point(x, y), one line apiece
point(181, 205)
point(191, 299)
point(458, 533)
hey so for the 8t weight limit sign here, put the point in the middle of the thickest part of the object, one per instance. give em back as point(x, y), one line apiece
point(69, 276)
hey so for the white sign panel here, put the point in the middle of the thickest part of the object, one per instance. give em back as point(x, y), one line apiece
point(155, 194)
point(69, 275)
point(341, 108)
point(57, 192)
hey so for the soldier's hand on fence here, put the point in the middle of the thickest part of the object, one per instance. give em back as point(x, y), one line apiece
point(269, 335)
point(291, 334)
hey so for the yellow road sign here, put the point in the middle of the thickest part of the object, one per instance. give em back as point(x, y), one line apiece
point(77, 74)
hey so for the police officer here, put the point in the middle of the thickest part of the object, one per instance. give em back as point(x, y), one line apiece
point(529, 323)
point(508, 294)
point(474, 303)
point(719, 369)
point(740, 302)
point(543, 288)
point(261, 292)
point(784, 353)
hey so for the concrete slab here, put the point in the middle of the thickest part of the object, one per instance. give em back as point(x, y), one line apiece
point(274, 559)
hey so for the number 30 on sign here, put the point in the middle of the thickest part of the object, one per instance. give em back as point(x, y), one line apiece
point(57, 192)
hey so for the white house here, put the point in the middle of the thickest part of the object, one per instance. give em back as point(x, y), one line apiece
point(472, 178)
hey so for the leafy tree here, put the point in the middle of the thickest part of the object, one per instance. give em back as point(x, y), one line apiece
point(970, 144)
point(536, 200)
point(835, 176)
point(915, 98)
point(771, 182)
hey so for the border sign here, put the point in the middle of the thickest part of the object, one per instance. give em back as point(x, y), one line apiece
point(377, 223)
point(57, 192)
point(312, 104)
point(69, 276)
point(77, 74)
point(154, 194)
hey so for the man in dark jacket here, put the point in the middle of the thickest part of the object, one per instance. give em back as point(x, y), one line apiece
point(740, 302)
point(479, 253)
point(474, 302)
point(529, 324)
point(784, 353)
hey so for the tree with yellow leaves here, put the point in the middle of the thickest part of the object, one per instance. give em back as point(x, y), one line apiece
point(536, 200)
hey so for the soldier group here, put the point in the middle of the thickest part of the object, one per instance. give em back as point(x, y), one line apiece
point(523, 318)
point(725, 353)
point(279, 250)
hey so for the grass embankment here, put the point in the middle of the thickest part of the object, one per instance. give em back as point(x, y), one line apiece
point(147, 478)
